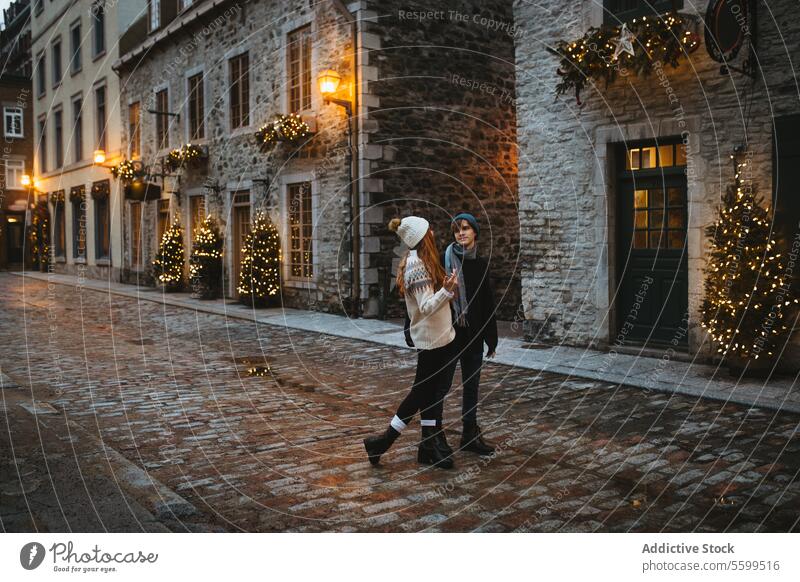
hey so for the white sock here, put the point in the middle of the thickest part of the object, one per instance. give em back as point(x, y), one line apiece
point(398, 424)
point(427, 422)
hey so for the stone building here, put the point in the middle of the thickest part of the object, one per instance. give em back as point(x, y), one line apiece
point(431, 93)
point(632, 149)
point(77, 129)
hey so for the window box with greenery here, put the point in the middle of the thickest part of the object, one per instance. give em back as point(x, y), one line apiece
point(187, 156)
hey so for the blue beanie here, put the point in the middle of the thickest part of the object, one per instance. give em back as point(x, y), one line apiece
point(473, 222)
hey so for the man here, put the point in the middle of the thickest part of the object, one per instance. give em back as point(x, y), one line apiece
point(474, 321)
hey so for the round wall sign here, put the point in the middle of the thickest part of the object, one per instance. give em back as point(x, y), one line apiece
point(727, 26)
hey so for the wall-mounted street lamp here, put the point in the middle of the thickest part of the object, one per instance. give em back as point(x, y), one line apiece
point(99, 157)
point(329, 81)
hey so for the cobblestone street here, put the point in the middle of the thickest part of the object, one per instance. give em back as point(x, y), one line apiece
point(207, 446)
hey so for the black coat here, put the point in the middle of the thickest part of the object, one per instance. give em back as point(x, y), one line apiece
point(481, 308)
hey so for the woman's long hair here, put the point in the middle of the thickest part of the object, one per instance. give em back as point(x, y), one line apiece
point(429, 255)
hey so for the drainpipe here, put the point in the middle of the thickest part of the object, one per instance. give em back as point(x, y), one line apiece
point(355, 202)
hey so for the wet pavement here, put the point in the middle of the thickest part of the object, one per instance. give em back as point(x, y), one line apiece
point(158, 418)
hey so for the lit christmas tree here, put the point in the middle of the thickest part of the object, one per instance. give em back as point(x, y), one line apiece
point(748, 296)
point(260, 274)
point(168, 264)
point(205, 263)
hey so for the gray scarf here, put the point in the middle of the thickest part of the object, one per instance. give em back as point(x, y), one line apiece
point(453, 257)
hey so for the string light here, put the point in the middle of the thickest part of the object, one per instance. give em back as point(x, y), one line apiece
point(592, 57)
point(168, 263)
point(183, 155)
point(260, 274)
point(746, 290)
point(289, 128)
point(205, 262)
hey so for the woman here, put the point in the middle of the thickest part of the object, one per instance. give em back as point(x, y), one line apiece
point(475, 325)
point(427, 291)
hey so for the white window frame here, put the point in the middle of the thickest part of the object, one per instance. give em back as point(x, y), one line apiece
point(16, 112)
point(285, 181)
point(14, 174)
point(167, 119)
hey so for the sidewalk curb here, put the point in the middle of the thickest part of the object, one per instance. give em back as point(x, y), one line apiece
point(389, 334)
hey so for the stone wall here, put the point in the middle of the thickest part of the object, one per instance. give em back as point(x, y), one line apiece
point(443, 117)
point(567, 196)
point(236, 162)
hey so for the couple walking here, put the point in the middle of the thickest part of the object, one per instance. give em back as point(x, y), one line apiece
point(450, 314)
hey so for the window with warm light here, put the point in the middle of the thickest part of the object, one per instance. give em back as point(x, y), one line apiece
point(301, 244)
point(135, 129)
point(298, 60)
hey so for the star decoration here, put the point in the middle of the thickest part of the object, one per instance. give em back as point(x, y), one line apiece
point(624, 42)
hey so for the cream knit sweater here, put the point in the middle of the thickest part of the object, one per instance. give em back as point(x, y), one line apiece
point(429, 311)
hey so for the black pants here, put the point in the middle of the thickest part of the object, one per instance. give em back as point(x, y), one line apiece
point(470, 355)
point(432, 378)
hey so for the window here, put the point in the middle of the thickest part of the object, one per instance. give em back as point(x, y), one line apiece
point(75, 63)
point(197, 212)
point(59, 225)
point(162, 128)
point(154, 14)
point(239, 71)
point(77, 129)
point(196, 108)
point(100, 114)
point(299, 68)
point(78, 199)
point(659, 212)
point(12, 123)
point(102, 227)
point(617, 11)
point(42, 145)
point(41, 74)
point(184, 4)
point(98, 29)
point(58, 136)
point(136, 234)
point(301, 264)
point(14, 171)
point(134, 129)
point(163, 218)
point(56, 54)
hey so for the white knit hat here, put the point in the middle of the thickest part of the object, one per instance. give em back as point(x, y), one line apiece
point(411, 229)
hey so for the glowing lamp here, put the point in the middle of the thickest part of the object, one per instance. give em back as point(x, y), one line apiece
point(99, 156)
point(26, 180)
point(328, 81)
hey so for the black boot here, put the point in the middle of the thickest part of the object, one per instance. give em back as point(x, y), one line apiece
point(472, 440)
point(377, 445)
point(431, 451)
point(443, 439)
